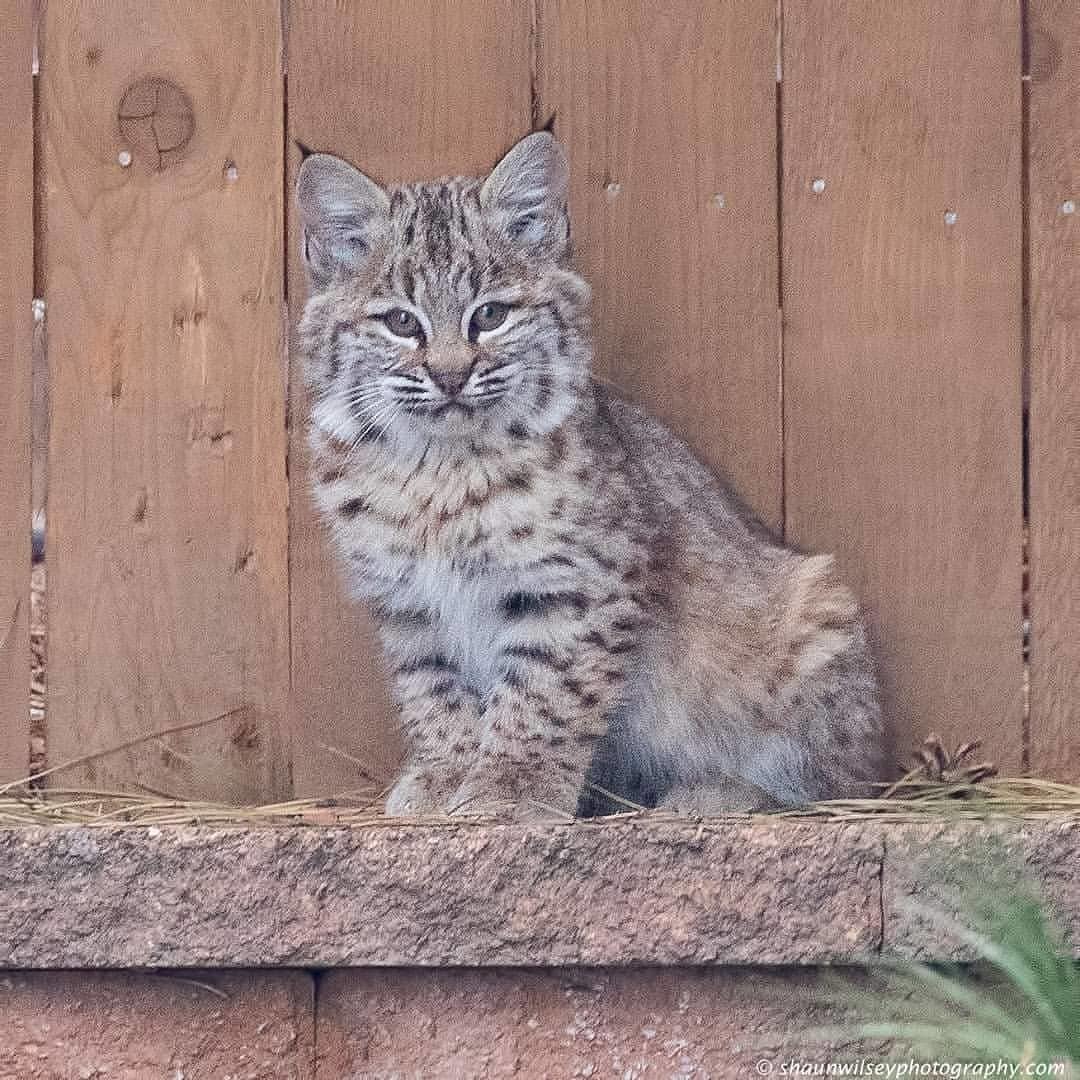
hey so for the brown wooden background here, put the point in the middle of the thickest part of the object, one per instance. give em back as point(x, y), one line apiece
point(831, 245)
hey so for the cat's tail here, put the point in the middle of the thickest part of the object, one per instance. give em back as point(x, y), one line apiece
point(820, 618)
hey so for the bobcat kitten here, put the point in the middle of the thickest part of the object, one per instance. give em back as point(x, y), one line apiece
point(562, 590)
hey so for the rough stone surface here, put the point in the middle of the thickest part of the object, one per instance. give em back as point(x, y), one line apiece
point(766, 892)
point(927, 866)
point(632, 892)
point(631, 1025)
point(124, 1026)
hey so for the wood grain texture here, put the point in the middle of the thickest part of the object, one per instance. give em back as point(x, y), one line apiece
point(902, 350)
point(1054, 181)
point(406, 91)
point(168, 498)
point(669, 116)
point(16, 294)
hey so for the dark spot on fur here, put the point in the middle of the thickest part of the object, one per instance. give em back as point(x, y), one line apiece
point(350, 508)
point(409, 232)
point(521, 605)
point(332, 475)
point(538, 654)
point(517, 430)
point(556, 449)
point(522, 532)
point(402, 618)
point(431, 662)
point(556, 560)
point(545, 391)
point(599, 558)
point(556, 314)
point(519, 480)
point(548, 714)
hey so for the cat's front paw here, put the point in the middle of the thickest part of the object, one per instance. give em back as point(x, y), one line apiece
point(511, 802)
point(419, 791)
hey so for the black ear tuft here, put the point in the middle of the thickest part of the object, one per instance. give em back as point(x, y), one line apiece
point(549, 127)
point(306, 151)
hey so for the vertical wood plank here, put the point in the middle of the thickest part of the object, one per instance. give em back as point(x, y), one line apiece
point(167, 518)
point(1054, 232)
point(902, 351)
point(669, 116)
point(16, 294)
point(407, 92)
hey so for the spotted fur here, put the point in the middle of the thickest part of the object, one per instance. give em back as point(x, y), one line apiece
point(569, 601)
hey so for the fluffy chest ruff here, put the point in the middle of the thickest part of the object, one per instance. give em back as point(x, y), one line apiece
point(476, 540)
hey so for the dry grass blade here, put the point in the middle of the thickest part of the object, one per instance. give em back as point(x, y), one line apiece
point(912, 801)
point(955, 790)
point(97, 755)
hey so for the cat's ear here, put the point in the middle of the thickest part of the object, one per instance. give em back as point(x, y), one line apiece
point(525, 196)
point(344, 216)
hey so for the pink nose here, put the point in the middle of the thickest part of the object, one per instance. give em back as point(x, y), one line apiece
point(451, 382)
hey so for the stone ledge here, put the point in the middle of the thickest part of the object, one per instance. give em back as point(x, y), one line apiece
point(927, 864)
point(763, 891)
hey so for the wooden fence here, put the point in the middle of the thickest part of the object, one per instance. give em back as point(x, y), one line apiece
point(833, 245)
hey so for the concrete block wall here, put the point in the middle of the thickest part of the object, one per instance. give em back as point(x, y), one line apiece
point(407, 1023)
point(629, 950)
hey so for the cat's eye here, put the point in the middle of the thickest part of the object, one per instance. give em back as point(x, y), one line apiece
point(489, 316)
point(403, 323)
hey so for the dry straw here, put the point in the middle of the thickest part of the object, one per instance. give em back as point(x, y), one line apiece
point(971, 794)
point(912, 801)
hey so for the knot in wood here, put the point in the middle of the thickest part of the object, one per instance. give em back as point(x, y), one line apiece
point(157, 121)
